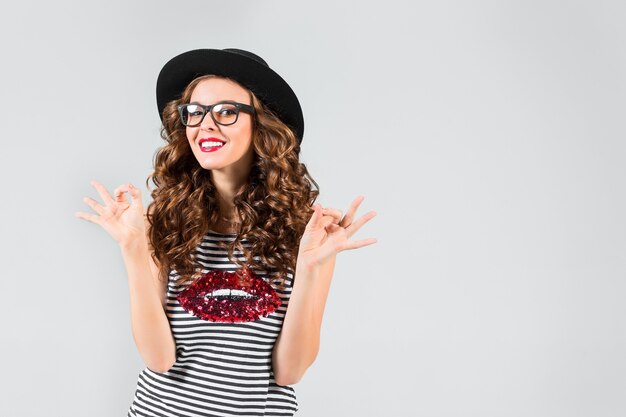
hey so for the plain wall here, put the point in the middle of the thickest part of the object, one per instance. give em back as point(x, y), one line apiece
point(487, 135)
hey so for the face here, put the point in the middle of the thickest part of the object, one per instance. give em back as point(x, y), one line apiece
point(235, 157)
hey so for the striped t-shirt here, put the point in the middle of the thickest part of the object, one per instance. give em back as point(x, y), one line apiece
point(223, 357)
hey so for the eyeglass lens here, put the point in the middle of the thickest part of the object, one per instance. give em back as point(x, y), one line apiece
point(223, 113)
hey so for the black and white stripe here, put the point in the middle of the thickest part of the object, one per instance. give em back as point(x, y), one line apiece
point(221, 369)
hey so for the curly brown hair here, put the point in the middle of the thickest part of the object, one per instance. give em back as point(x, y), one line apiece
point(274, 205)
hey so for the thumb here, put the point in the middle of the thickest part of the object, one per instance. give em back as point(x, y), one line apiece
point(135, 195)
point(315, 217)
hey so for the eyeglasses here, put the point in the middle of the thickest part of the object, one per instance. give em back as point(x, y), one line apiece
point(223, 113)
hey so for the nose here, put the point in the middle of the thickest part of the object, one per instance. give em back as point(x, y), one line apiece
point(208, 123)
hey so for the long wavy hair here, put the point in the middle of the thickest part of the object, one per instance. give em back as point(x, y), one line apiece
point(274, 205)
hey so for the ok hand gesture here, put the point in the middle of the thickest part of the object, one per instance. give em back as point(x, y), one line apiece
point(122, 220)
point(327, 234)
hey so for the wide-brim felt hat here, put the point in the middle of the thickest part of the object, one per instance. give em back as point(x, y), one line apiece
point(248, 69)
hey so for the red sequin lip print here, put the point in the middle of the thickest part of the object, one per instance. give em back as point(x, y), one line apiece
point(218, 296)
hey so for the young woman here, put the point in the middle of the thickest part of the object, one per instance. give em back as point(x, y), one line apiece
point(230, 265)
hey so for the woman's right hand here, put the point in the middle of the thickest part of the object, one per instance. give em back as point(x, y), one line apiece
point(123, 221)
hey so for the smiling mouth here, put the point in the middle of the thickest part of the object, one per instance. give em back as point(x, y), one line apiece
point(210, 144)
point(218, 296)
point(211, 148)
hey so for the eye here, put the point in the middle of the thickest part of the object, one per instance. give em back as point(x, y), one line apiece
point(227, 112)
point(193, 110)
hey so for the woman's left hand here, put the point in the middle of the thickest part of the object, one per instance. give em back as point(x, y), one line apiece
point(327, 234)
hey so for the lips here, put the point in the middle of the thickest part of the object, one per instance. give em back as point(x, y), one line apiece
point(213, 148)
point(218, 296)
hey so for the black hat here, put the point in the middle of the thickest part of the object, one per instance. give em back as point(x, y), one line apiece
point(246, 68)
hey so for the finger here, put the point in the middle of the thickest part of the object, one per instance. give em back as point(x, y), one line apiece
point(327, 221)
point(119, 196)
point(348, 245)
point(331, 228)
point(106, 197)
point(119, 192)
point(335, 213)
point(359, 243)
point(135, 195)
point(357, 224)
point(87, 216)
point(315, 217)
point(94, 205)
point(347, 220)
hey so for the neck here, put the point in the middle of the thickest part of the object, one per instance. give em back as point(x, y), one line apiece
point(227, 187)
point(228, 181)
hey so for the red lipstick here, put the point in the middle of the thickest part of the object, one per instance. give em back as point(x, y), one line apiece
point(212, 148)
point(218, 296)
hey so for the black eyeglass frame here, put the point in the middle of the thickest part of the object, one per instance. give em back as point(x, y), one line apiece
point(207, 109)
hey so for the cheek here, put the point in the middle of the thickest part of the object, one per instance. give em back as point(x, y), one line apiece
point(245, 133)
point(239, 134)
point(191, 133)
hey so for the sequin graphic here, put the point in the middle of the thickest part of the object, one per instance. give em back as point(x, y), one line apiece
point(220, 296)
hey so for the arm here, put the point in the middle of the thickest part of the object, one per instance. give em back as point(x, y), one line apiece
point(324, 236)
point(162, 285)
point(298, 343)
point(151, 329)
point(123, 221)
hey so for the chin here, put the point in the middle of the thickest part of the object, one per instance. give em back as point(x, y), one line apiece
point(210, 162)
point(211, 166)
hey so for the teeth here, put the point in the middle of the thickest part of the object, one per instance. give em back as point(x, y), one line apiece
point(211, 144)
point(226, 292)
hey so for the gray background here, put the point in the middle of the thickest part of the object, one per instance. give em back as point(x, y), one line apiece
point(488, 136)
